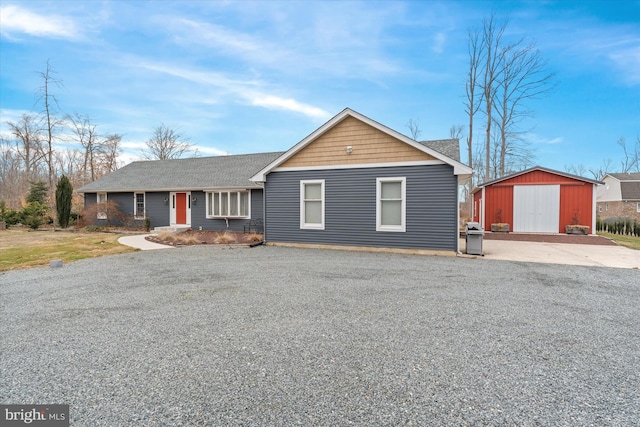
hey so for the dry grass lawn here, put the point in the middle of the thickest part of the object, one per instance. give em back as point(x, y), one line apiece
point(630, 242)
point(21, 248)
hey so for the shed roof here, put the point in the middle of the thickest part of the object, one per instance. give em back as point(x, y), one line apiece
point(540, 168)
point(197, 173)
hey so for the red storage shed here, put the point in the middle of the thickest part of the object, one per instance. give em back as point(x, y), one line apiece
point(536, 200)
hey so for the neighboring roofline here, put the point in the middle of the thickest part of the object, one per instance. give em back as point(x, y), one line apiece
point(618, 179)
point(513, 175)
point(458, 168)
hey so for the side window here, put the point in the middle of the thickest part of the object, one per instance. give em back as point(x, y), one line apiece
point(139, 206)
point(312, 204)
point(102, 206)
point(391, 204)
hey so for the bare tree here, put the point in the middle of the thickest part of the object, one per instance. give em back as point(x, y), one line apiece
point(605, 168)
point(507, 75)
point(491, 41)
point(475, 50)
point(578, 170)
point(414, 128)
point(109, 154)
point(523, 77)
point(631, 160)
point(51, 123)
point(12, 179)
point(28, 144)
point(456, 132)
point(71, 164)
point(166, 143)
point(85, 134)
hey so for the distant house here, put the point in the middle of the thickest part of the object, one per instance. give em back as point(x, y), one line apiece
point(208, 193)
point(536, 200)
point(352, 182)
point(619, 197)
point(356, 182)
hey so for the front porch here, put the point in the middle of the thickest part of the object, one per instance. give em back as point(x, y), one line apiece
point(172, 229)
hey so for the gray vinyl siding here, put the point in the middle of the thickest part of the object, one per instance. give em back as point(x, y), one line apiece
point(125, 205)
point(159, 212)
point(350, 208)
point(155, 208)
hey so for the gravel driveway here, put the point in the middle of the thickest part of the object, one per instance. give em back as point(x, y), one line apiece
point(282, 336)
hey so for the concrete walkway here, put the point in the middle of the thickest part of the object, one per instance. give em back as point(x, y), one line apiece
point(139, 241)
point(560, 253)
point(549, 253)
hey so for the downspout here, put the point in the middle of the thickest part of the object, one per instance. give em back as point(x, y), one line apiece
point(481, 207)
point(458, 217)
point(593, 209)
point(264, 211)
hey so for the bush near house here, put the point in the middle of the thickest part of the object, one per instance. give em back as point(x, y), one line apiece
point(109, 213)
point(622, 226)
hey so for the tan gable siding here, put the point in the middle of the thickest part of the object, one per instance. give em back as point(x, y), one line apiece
point(369, 146)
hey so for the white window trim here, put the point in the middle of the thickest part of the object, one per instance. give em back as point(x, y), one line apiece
point(638, 207)
point(135, 205)
point(101, 214)
point(303, 224)
point(209, 195)
point(403, 213)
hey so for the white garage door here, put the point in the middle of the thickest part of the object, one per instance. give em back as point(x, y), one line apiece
point(536, 208)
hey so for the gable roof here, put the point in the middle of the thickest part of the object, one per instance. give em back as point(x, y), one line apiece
point(448, 147)
point(539, 168)
point(630, 190)
point(458, 168)
point(629, 176)
point(197, 173)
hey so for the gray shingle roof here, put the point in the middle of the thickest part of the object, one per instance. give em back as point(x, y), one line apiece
point(632, 176)
point(184, 174)
point(448, 147)
point(630, 190)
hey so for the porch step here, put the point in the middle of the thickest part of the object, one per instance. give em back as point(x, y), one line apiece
point(171, 229)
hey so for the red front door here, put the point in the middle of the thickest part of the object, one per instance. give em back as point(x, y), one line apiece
point(181, 208)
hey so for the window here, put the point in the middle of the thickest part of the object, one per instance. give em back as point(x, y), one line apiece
point(638, 207)
point(391, 204)
point(138, 208)
point(312, 204)
point(102, 206)
point(228, 204)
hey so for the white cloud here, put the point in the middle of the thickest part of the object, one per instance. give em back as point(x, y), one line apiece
point(611, 48)
point(274, 102)
point(131, 145)
point(216, 36)
point(627, 60)
point(210, 151)
point(315, 42)
point(439, 41)
point(17, 20)
point(246, 91)
point(538, 139)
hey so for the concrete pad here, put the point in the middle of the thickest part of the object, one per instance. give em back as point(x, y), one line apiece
point(561, 253)
point(139, 241)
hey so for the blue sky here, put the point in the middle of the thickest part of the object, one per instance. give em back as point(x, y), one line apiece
point(241, 77)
